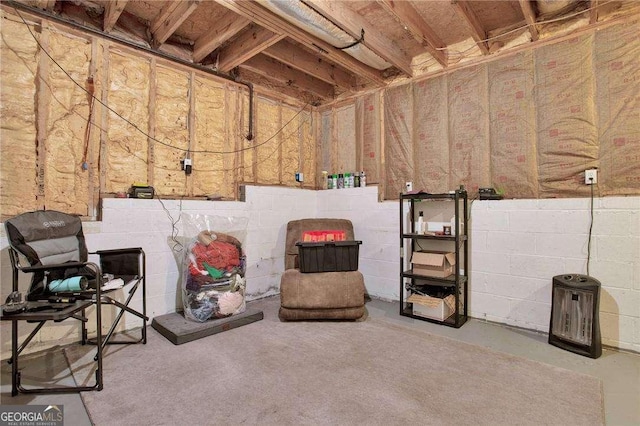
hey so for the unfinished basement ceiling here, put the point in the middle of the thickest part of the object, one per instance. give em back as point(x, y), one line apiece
point(297, 47)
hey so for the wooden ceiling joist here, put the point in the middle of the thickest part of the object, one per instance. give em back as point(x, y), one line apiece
point(477, 32)
point(270, 68)
point(263, 17)
point(410, 18)
point(304, 61)
point(112, 11)
point(172, 15)
point(530, 17)
point(593, 5)
point(353, 24)
point(45, 4)
point(246, 46)
point(220, 31)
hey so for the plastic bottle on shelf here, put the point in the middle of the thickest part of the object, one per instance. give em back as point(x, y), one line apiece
point(419, 228)
point(334, 181)
point(356, 180)
point(340, 181)
point(363, 179)
point(347, 180)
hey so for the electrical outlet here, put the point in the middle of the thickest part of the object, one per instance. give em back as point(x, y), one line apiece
point(409, 186)
point(591, 176)
point(299, 177)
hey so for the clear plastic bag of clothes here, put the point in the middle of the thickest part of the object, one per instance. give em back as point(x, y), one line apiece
point(213, 266)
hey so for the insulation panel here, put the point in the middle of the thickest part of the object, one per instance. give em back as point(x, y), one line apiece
point(368, 116)
point(468, 130)
point(617, 70)
point(513, 126)
point(398, 148)
point(170, 130)
point(18, 162)
point(127, 145)
point(431, 135)
point(345, 119)
point(211, 136)
point(269, 140)
point(66, 183)
point(290, 145)
point(564, 98)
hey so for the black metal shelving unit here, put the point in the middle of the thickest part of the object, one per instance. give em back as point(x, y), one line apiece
point(458, 282)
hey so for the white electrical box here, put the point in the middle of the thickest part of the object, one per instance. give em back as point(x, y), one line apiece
point(591, 176)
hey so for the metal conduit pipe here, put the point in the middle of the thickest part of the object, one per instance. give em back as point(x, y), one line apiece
point(99, 33)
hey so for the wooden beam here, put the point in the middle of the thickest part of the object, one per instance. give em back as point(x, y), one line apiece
point(258, 14)
point(304, 61)
point(112, 11)
point(247, 45)
point(269, 67)
point(172, 15)
point(353, 23)
point(410, 18)
point(275, 89)
point(45, 4)
point(530, 17)
point(477, 32)
point(222, 30)
point(593, 5)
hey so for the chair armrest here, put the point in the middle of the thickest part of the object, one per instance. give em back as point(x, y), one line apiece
point(37, 268)
point(118, 251)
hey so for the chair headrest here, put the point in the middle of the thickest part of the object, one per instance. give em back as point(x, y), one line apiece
point(47, 237)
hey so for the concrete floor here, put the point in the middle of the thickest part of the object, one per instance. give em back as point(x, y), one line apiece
point(619, 371)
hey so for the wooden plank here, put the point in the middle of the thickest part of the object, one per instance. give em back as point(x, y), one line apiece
point(593, 17)
point(104, 117)
point(477, 32)
point(353, 23)
point(43, 95)
point(410, 18)
point(151, 154)
point(191, 125)
point(279, 140)
point(173, 14)
point(270, 68)
point(220, 31)
point(304, 61)
point(247, 45)
point(263, 17)
point(45, 4)
point(90, 155)
point(112, 11)
point(530, 17)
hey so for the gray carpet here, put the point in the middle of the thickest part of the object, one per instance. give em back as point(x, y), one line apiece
point(370, 372)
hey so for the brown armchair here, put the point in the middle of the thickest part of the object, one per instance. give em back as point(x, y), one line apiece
point(323, 295)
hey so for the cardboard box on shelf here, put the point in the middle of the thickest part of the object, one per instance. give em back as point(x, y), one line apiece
point(433, 307)
point(437, 264)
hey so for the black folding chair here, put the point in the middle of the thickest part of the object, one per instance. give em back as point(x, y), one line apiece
point(54, 246)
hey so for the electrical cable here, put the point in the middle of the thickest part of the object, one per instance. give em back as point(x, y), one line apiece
point(174, 222)
point(168, 145)
point(590, 230)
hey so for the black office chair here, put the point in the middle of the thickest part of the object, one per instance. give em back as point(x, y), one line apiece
point(64, 284)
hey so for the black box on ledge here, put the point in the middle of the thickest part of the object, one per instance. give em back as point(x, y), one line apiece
point(330, 256)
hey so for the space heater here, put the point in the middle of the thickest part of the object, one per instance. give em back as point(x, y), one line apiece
point(574, 324)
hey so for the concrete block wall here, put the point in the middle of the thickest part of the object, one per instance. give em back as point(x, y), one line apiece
point(517, 246)
point(146, 224)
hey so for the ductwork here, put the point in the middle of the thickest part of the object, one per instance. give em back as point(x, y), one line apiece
point(304, 17)
point(553, 7)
